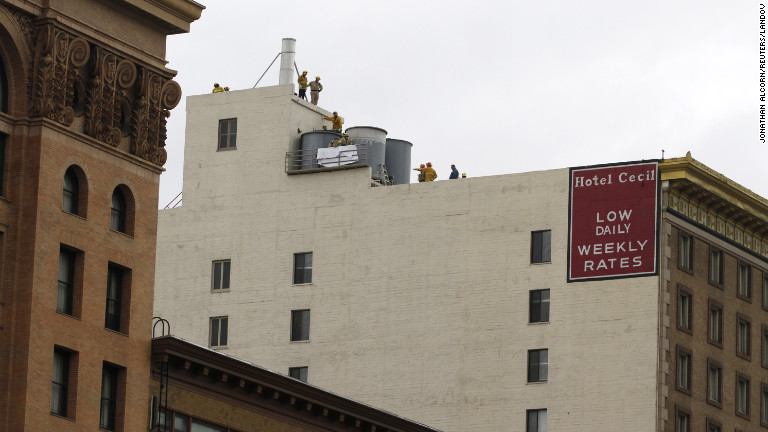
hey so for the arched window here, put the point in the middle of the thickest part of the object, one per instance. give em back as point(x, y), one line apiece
point(119, 211)
point(71, 192)
point(3, 87)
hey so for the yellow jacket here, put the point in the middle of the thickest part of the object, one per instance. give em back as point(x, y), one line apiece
point(336, 121)
point(429, 173)
point(217, 90)
point(302, 82)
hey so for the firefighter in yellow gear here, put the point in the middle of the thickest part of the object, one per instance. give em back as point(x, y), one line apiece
point(335, 120)
point(429, 173)
point(303, 85)
point(216, 88)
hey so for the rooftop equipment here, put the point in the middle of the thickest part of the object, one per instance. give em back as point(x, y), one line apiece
point(372, 141)
point(398, 160)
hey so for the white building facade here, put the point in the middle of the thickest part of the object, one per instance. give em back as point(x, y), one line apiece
point(444, 302)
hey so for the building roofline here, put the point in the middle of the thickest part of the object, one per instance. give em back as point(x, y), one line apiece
point(164, 347)
point(688, 168)
point(175, 16)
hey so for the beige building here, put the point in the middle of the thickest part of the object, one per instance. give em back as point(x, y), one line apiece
point(446, 302)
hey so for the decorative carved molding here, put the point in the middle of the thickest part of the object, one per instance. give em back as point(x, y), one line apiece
point(118, 97)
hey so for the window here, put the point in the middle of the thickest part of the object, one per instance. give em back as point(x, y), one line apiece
point(684, 310)
point(300, 373)
point(108, 412)
point(536, 420)
point(302, 268)
point(3, 89)
point(743, 333)
point(714, 383)
point(118, 298)
point(764, 350)
point(227, 134)
point(539, 306)
point(744, 288)
point(685, 249)
point(221, 275)
point(2, 162)
point(764, 405)
point(713, 426)
point(117, 220)
point(71, 192)
point(60, 382)
point(682, 421)
point(538, 362)
point(300, 325)
point(219, 332)
point(684, 367)
point(716, 266)
point(765, 291)
point(715, 331)
point(742, 395)
point(65, 295)
point(541, 246)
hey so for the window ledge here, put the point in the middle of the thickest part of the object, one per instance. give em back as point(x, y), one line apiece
point(300, 341)
point(214, 291)
point(541, 263)
point(538, 323)
point(746, 299)
point(116, 332)
point(715, 404)
point(122, 233)
point(713, 343)
point(219, 347)
point(226, 149)
point(5, 200)
point(685, 269)
point(302, 284)
point(535, 382)
point(73, 214)
point(67, 315)
point(53, 414)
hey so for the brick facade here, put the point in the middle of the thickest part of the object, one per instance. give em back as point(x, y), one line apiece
point(62, 114)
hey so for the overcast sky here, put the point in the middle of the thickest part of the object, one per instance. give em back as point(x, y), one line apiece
point(499, 87)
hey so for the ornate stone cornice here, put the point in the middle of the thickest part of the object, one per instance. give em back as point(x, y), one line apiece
point(122, 103)
point(709, 198)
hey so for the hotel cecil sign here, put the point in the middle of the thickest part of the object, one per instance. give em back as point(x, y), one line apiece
point(613, 221)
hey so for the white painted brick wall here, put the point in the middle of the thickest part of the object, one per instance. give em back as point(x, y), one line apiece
point(420, 292)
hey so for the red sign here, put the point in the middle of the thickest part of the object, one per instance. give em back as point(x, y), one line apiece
point(613, 221)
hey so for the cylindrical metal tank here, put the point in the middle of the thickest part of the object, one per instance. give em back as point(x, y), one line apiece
point(311, 141)
point(398, 160)
point(374, 142)
point(287, 58)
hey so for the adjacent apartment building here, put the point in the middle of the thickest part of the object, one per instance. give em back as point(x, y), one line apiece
point(541, 301)
point(84, 94)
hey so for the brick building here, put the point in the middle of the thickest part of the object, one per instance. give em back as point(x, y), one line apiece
point(450, 302)
point(85, 94)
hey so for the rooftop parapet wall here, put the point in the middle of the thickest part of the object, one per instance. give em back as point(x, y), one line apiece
point(716, 202)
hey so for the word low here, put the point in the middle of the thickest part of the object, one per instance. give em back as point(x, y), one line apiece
point(614, 228)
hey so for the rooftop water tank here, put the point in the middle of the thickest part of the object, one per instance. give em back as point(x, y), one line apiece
point(310, 142)
point(398, 160)
point(371, 141)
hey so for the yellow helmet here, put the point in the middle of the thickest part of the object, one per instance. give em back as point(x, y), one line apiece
point(304, 73)
point(335, 112)
point(317, 78)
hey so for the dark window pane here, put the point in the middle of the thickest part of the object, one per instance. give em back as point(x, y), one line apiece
point(225, 281)
point(117, 220)
point(108, 398)
point(300, 325)
point(71, 192)
point(217, 275)
point(66, 281)
point(214, 332)
point(223, 332)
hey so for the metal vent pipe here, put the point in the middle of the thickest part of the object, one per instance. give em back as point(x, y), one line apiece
point(287, 58)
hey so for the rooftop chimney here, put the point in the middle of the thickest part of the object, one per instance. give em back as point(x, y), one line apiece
point(287, 59)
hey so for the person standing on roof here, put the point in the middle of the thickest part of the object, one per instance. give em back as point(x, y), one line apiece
point(429, 173)
point(303, 85)
point(335, 120)
point(454, 173)
point(421, 170)
point(314, 90)
point(216, 88)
